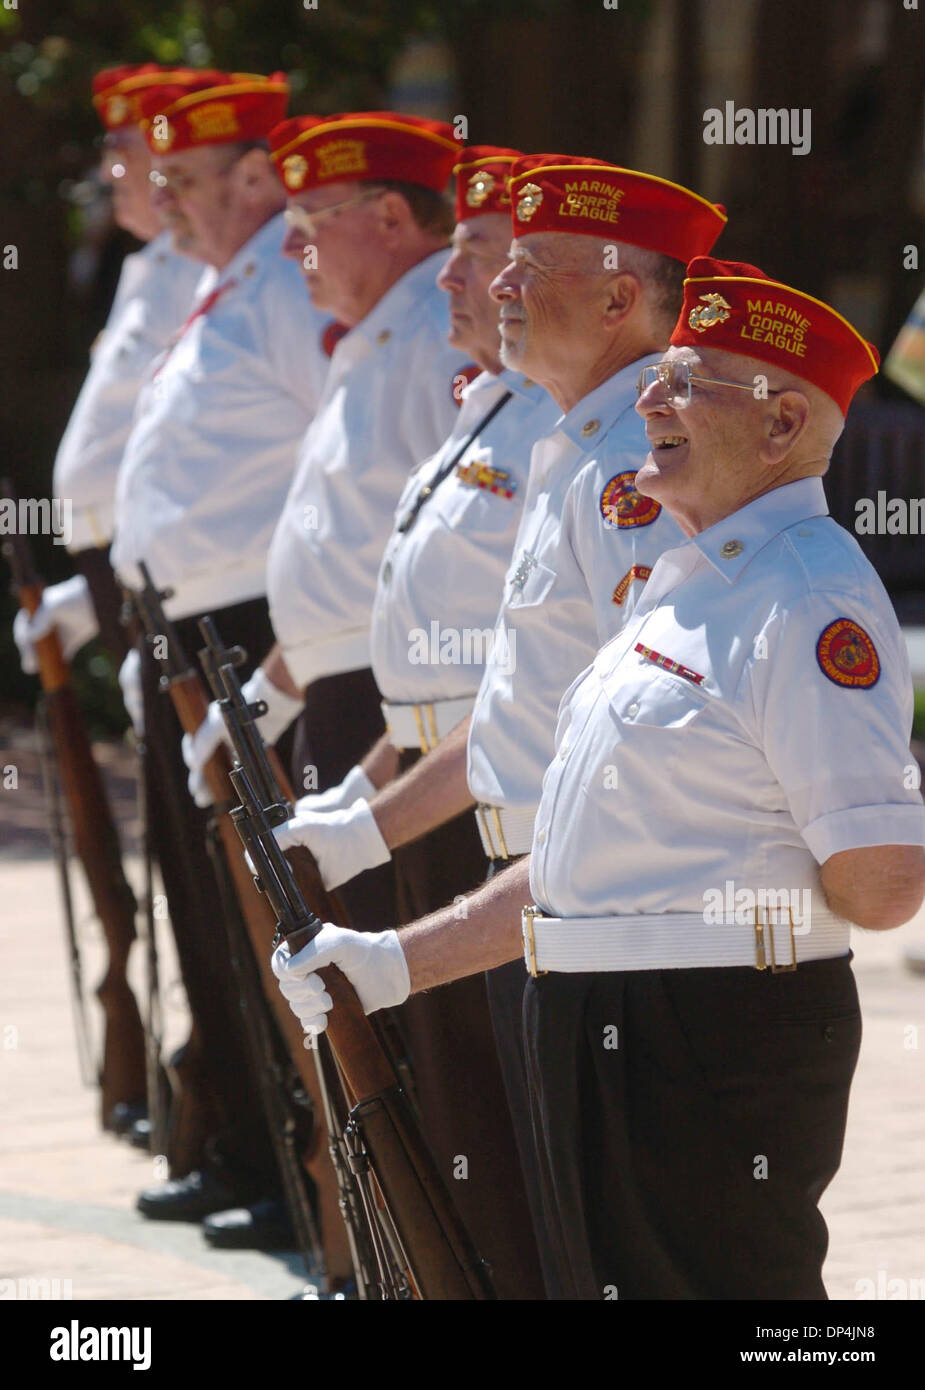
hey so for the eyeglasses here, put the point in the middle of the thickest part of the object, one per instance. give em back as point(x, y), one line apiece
point(183, 181)
point(676, 378)
point(306, 222)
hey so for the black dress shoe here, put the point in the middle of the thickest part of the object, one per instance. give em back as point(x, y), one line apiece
point(123, 1116)
point(185, 1199)
point(263, 1226)
point(140, 1135)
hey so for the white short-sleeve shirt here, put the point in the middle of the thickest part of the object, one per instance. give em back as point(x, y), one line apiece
point(752, 719)
point(586, 543)
point(391, 399)
point(153, 297)
point(440, 579)
point(215, 439)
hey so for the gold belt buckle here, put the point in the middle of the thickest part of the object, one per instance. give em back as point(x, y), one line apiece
point(764, 938)
point(527, 917)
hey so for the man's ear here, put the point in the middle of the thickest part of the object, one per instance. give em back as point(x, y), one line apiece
point(784, 425)
point(393, 213)
point(623, 292)
point(253, 171)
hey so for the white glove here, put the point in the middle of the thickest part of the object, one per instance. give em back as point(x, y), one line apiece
point(373, 962)
point(343, 843)
point(199, 747)
point(130, 681)
point(338, 798)
point(67, 607)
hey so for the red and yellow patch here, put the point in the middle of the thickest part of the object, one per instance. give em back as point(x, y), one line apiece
point(331, 335)
point(637, 572)
point(847, 655)
point(462, 379)
point(622, 505)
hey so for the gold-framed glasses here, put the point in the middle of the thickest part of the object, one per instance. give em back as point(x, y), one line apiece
point(304, 222)
point(676, 378)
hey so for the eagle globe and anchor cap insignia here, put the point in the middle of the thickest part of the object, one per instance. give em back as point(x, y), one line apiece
point(117, 108)
point(295, 171)
point(622, 505)
point(529, 200)
point(712, 310)
point(847, 655)
point(480, 186)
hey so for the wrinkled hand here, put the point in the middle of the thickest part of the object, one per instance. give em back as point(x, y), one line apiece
point(343, 843)
point(130, 683)
point(67, 607)
point(373, 962)
point(339, 798)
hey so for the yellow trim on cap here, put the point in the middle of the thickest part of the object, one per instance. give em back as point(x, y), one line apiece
point(284, 149)
point(235, 89)
point(779, 284)
point(489, 159)
point(177, 77)
point(328, 126)
point(619, 169)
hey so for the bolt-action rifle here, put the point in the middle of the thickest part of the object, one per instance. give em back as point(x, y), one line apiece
point(122, 1063)
point(420, 1246)
point(286, 1081)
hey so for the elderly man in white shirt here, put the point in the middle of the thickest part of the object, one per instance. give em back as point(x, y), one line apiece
point(152, 299)
point(703, 842)
point(205, 471)
point(369, 227)
point(586, 539)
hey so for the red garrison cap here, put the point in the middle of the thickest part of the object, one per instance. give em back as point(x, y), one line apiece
point(736, 307)
point(367, 146)
point(117, 92)
point(222, 108)
point(568, 193)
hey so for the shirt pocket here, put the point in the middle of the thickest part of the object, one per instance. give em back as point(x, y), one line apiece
point(465, 507)
point(655, 701)
point(527, 590)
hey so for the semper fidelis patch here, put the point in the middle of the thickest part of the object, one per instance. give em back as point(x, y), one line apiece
point(847, 655)
point(622, 505)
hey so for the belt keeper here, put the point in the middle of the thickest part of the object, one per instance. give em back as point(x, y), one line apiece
point(422, 737)
point(527, 916)
point(764, 937)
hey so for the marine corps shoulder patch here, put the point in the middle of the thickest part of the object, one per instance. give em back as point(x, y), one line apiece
point(331, 335)
point(847, 655)
point(622, 505)
point(462, 379)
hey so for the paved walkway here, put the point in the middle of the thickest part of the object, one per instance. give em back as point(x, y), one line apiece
point(67, 1190)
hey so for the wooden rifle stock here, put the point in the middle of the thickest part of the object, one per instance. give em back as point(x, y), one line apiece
point(191, 702)
point(122, 1069)
point(383, 1129)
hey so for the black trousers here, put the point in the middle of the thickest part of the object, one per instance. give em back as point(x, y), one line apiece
point(687, 1123)
point(341, 721)
point(93, 564)
point(457, 1074)
point(240, 1141)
